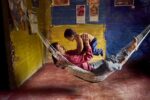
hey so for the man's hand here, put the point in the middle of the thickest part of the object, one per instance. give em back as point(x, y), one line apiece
point(61, 64)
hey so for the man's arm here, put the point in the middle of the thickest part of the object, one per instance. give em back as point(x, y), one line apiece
point(78, 59)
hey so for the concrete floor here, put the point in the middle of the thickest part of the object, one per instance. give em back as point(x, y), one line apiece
point(51, 83)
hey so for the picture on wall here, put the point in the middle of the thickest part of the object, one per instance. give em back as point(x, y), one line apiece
point(93, 2)
point(35, 3)
point(19, 13)
point(80, 14)
point(124, 3)
point(33, 22)
point(94, 12)
point(60, 2)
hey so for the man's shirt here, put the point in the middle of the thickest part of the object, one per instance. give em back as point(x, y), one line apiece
point(81, 60)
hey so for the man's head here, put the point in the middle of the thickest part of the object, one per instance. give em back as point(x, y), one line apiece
point(58, 47)
point(62, 50)
point(69, 34)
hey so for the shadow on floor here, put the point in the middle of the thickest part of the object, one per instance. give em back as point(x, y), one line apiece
point(140, 67)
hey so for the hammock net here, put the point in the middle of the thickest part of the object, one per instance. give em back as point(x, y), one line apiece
point(81, 73)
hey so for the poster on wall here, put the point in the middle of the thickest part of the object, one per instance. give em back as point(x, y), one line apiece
point(60, 2)
point(94, 12)
point(80, 14)
point(35, 3)
point(124, 3)
point(93, 2)
point(19, 13)
point(33, 22)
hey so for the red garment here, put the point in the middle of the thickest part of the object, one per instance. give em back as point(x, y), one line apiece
point(81, 60)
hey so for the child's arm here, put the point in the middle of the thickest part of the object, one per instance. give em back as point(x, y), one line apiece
point(80, 45)
point(91, 37)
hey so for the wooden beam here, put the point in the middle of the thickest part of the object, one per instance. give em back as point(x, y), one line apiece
point(6, 75)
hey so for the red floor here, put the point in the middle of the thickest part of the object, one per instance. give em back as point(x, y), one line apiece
point(51, 83)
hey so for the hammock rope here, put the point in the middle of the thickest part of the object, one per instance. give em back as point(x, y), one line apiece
point(79, 72)
point(140, 38)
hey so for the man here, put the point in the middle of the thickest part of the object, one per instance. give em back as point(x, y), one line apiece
point(101, 67)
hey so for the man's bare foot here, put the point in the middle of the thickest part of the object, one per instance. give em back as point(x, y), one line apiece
point(135, 41)
point(133, 45)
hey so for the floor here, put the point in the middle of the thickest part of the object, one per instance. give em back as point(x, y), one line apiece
point(52, 83)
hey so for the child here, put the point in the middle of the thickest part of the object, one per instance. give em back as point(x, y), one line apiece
point(72, 35)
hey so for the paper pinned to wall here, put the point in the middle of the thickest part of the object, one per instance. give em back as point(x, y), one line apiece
point(94, 12)
point(93, 2)
point(35, 3)
point(60, 2)
point(124, 3)
point(33, 22)
point(18, 11)
point(80, 14)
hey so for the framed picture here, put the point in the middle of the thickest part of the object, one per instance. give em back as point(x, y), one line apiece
point(94, 12)
point(60, 2)
point(124, 3)
point(18, 11)
point(80, 14)
point(35, 3)
point(93, 2)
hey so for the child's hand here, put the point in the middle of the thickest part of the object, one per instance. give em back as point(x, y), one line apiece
point(85, 39)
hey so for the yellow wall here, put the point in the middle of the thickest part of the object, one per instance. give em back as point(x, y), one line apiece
point(28, 55)
point(29, 50)
point(57, 35)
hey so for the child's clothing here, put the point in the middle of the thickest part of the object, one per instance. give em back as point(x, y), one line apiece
point(95, 50)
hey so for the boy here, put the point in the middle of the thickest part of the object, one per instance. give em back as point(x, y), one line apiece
point(72, 35)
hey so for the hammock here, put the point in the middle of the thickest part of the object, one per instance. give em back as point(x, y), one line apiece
point(84, 74)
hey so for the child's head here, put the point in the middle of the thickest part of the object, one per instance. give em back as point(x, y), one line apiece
point(69, 34)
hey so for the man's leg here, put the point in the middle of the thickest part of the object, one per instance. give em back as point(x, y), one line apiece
point(116, 62)
point(126, 52)
point(107, 67)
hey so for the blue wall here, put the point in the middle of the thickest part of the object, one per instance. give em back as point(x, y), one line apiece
point(67, 14)
point(123, 23)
